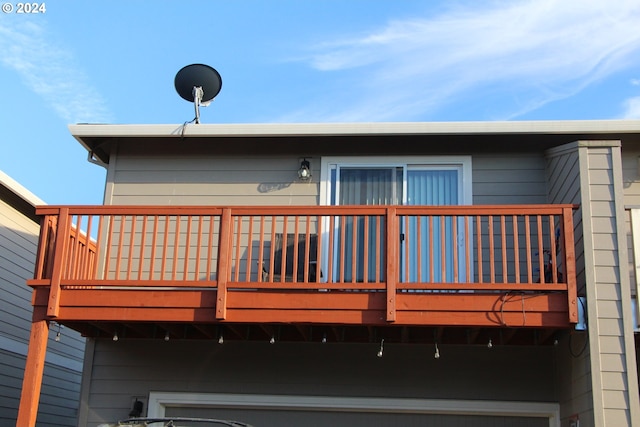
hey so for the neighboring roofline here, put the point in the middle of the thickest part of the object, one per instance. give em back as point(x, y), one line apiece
point(14, 187)
point(81, 131)
point(19, 198)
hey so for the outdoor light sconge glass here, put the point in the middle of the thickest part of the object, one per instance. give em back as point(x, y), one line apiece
point(304, 173)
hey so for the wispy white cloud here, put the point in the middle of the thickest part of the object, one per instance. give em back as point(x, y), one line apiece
point(50, 71)
point(632, 108)
point(531, 51)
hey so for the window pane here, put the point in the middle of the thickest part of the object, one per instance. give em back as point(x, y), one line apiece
point(376, 186)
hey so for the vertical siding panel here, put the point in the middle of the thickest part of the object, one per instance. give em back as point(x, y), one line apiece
point(605, 278)
point(563, 171)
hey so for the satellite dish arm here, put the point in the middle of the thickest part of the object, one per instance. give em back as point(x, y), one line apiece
point(198, 93)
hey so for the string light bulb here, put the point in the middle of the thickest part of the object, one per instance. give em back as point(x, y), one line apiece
point(272, 340)
point(381, 350)
point(437, 353)
point(58, 334)
point(220, 339)
point(115, 336)
point(166, 336)
point(490, 344)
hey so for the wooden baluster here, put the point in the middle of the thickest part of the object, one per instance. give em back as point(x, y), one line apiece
point(176, 248)
point(527, 235)
point(248, 267)
point(492, 257)
point(132, 239)
point(516, 248)
point(187, 247)
point(479, 247)
point(540, 249)
point(236, 273)
point(154, 241)
point(210, 253)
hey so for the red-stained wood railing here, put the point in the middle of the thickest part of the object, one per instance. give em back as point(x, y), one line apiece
point(392, 249)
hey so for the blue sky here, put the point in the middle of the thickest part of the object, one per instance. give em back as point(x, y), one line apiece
point(301, 61)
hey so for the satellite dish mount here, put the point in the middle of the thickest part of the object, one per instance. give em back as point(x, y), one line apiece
point(198, 83)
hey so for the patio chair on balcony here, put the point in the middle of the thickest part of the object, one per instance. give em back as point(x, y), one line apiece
point(289, 249)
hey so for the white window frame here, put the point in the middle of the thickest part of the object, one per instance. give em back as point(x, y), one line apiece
point(160, 401)
point(328, 162)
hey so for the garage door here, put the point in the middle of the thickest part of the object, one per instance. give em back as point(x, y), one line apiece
point(322, 418)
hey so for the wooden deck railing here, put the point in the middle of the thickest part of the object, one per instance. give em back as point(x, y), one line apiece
point(391, 249)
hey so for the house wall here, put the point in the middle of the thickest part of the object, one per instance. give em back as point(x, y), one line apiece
point(607, 286)
point(123, 371)
point(61, 382)
point(126, 370)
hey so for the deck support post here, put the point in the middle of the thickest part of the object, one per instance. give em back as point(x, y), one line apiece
point(61, 246)
point(570, 263)
point(224, 260)
point(34, 369)
point(392, 262)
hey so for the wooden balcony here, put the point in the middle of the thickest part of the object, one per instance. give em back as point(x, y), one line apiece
point(191, 271)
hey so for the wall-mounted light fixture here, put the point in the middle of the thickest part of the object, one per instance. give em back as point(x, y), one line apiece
point(136, 409)
point(304, 173)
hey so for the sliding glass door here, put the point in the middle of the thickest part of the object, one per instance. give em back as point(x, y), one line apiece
point(431, 238)
point(424, 182)
point(364, 186)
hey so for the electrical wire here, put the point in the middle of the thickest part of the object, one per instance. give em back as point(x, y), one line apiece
point(184, 126)
point(582, 350)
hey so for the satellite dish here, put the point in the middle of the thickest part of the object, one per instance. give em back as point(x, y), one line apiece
point(198, 83)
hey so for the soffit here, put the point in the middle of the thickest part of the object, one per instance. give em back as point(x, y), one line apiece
point(371, 138)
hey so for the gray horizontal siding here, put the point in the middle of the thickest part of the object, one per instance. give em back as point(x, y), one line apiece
point(630, 174)
point(209, 180)
point(607, 287)
point(58, 399)
point(191, 179)
point(18, 245)
point(509, 179)
point(575, 380)
point(62, 375)
point(125, 369)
